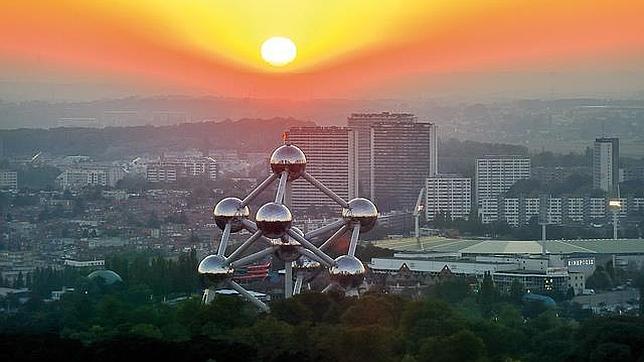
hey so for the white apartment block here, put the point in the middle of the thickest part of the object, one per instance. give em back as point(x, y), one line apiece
point(8, 179)
point(597, 207)
point(496, 174)
point(489, 210)
point(531, 209)
point(574, 209)
point(170, 168)
point(511, 211)
point(448, 194)
point(554, 211)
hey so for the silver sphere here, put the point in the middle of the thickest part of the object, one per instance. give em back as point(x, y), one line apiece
point(348, 271)
point(306, 265)
point(287, 249)
point(214, 270)
point(273, 220)
point(287, 252)
point(230, 209)
point(363, 211)
point(288, 158)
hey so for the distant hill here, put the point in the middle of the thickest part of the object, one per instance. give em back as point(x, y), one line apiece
point(249, 135)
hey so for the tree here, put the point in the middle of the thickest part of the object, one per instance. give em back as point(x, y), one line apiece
point(460, 346)
point(487, 293)
point(517, 289)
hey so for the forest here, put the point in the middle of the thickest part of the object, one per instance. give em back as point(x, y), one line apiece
point(453, 321)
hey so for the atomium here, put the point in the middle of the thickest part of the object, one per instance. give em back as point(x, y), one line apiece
point(307, 265)
point(348, 271)
point(230, 210)
point(362, 211)
point(303, 254)
point(288, 158)
point(273, 220)
point(214, 269)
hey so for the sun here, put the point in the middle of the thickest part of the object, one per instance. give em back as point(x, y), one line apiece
point(278, 51)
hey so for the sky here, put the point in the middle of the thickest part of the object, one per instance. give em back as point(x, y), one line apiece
point(75, 49)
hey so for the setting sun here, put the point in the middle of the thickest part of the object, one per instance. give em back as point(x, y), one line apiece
point(278, 51)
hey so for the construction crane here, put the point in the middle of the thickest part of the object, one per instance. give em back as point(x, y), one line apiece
point(417, 211)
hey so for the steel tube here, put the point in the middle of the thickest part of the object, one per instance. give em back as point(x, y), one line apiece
point(329, 242)
point(281, 188)
point(244, 246)
point(354, 239)
point(223, 243)
point(288, 280)
point(252, 257)
point(258, 189)
point(311, 255)
point(325, 189)
point(298, 283)
point(261, 305)
point(307, 244)
point(325, 229)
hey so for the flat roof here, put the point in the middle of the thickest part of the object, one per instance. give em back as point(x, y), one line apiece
point(478, 246)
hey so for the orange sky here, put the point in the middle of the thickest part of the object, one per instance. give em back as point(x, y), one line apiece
point(345, 48)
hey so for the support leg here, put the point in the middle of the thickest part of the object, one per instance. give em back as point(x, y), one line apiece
point(288, 280)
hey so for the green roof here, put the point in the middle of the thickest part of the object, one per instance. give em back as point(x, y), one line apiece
point(473, 246)
point(108, 276)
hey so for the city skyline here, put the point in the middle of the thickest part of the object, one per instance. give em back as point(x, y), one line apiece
point(337, 180)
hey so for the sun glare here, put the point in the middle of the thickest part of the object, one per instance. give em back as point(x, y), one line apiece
point(278, 51)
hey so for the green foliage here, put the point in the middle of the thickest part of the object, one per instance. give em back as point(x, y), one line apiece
point(445, 326)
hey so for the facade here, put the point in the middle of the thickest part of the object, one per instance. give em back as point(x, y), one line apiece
point(606, 164)
point(448, 194)
point(84, 263)
point(496, 174)
point(488, 210)
point(360, 124)
point(88, 175)
point(632, 173)
point(330, 159)
point(401, 160)
point(8, 180)
point(394, 154)
point(517, 211)
point(536, 274)
point(557, 174)
point(170, 168)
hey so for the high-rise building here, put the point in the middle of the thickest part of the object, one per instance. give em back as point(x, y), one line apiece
point(361, 124)
point(395, 154)
point(401, 160)
point(449, 194)
point(606, 164)
point(8, 179)
point(330, 159)
point(496, 175)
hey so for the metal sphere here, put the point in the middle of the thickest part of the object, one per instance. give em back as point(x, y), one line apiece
point(348, 271)
point(230, 209)
point(288, 158)
point(273, 220)
point(363, 211)
point(287, 249)
point(214, 269)
point(307, 265)
point(287, 252)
